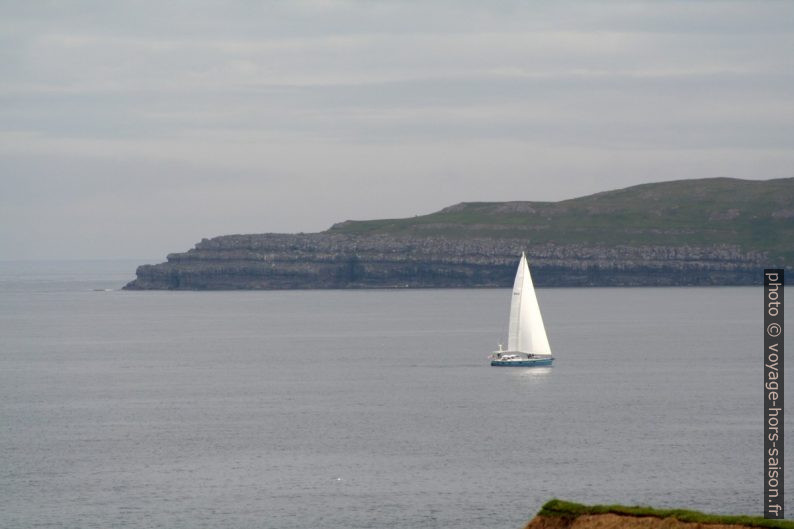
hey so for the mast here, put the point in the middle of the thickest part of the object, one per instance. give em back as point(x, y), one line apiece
point(513, 333)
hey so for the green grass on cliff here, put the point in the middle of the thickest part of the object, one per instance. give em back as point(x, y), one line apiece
point(565, 508)
point(756, 215)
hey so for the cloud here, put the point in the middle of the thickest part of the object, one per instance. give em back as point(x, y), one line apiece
point(293, 115)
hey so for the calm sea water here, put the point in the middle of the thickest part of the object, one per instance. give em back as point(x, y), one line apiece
point(368, 409)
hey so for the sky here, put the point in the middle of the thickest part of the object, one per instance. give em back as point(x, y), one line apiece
point(133, 129)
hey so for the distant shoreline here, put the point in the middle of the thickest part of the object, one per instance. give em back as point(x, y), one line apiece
point(708, 232)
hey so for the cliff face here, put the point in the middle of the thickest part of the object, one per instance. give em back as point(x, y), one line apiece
point(328, 260)
point(617, 521)
point(695, 232)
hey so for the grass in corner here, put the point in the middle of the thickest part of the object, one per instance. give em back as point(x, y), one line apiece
point(557, 507)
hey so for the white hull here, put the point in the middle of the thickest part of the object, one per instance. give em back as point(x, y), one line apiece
point(521, 360)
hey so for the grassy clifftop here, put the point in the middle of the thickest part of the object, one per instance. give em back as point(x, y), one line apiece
point(756, 215)
point(572, 511)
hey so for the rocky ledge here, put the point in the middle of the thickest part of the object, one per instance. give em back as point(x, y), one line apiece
point(330, 260)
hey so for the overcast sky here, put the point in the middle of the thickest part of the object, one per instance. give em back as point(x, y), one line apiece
point(134, 129)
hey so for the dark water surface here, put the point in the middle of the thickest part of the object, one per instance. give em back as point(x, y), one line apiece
point(347, 409)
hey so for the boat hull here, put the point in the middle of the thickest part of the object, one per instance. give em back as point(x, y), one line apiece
point(527, 362)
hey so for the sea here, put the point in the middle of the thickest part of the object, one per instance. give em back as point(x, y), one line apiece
point(366, 408)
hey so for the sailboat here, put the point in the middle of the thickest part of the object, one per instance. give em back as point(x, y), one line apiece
point(527, 343)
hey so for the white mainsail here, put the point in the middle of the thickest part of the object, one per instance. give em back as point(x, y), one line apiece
point(526, 332)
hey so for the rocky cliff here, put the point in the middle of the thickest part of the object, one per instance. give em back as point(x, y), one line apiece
point(274, 261)
point(617, 521)
point(558, 514)
point(719, 232)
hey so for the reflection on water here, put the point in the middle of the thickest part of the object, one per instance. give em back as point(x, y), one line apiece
point(532, 372)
